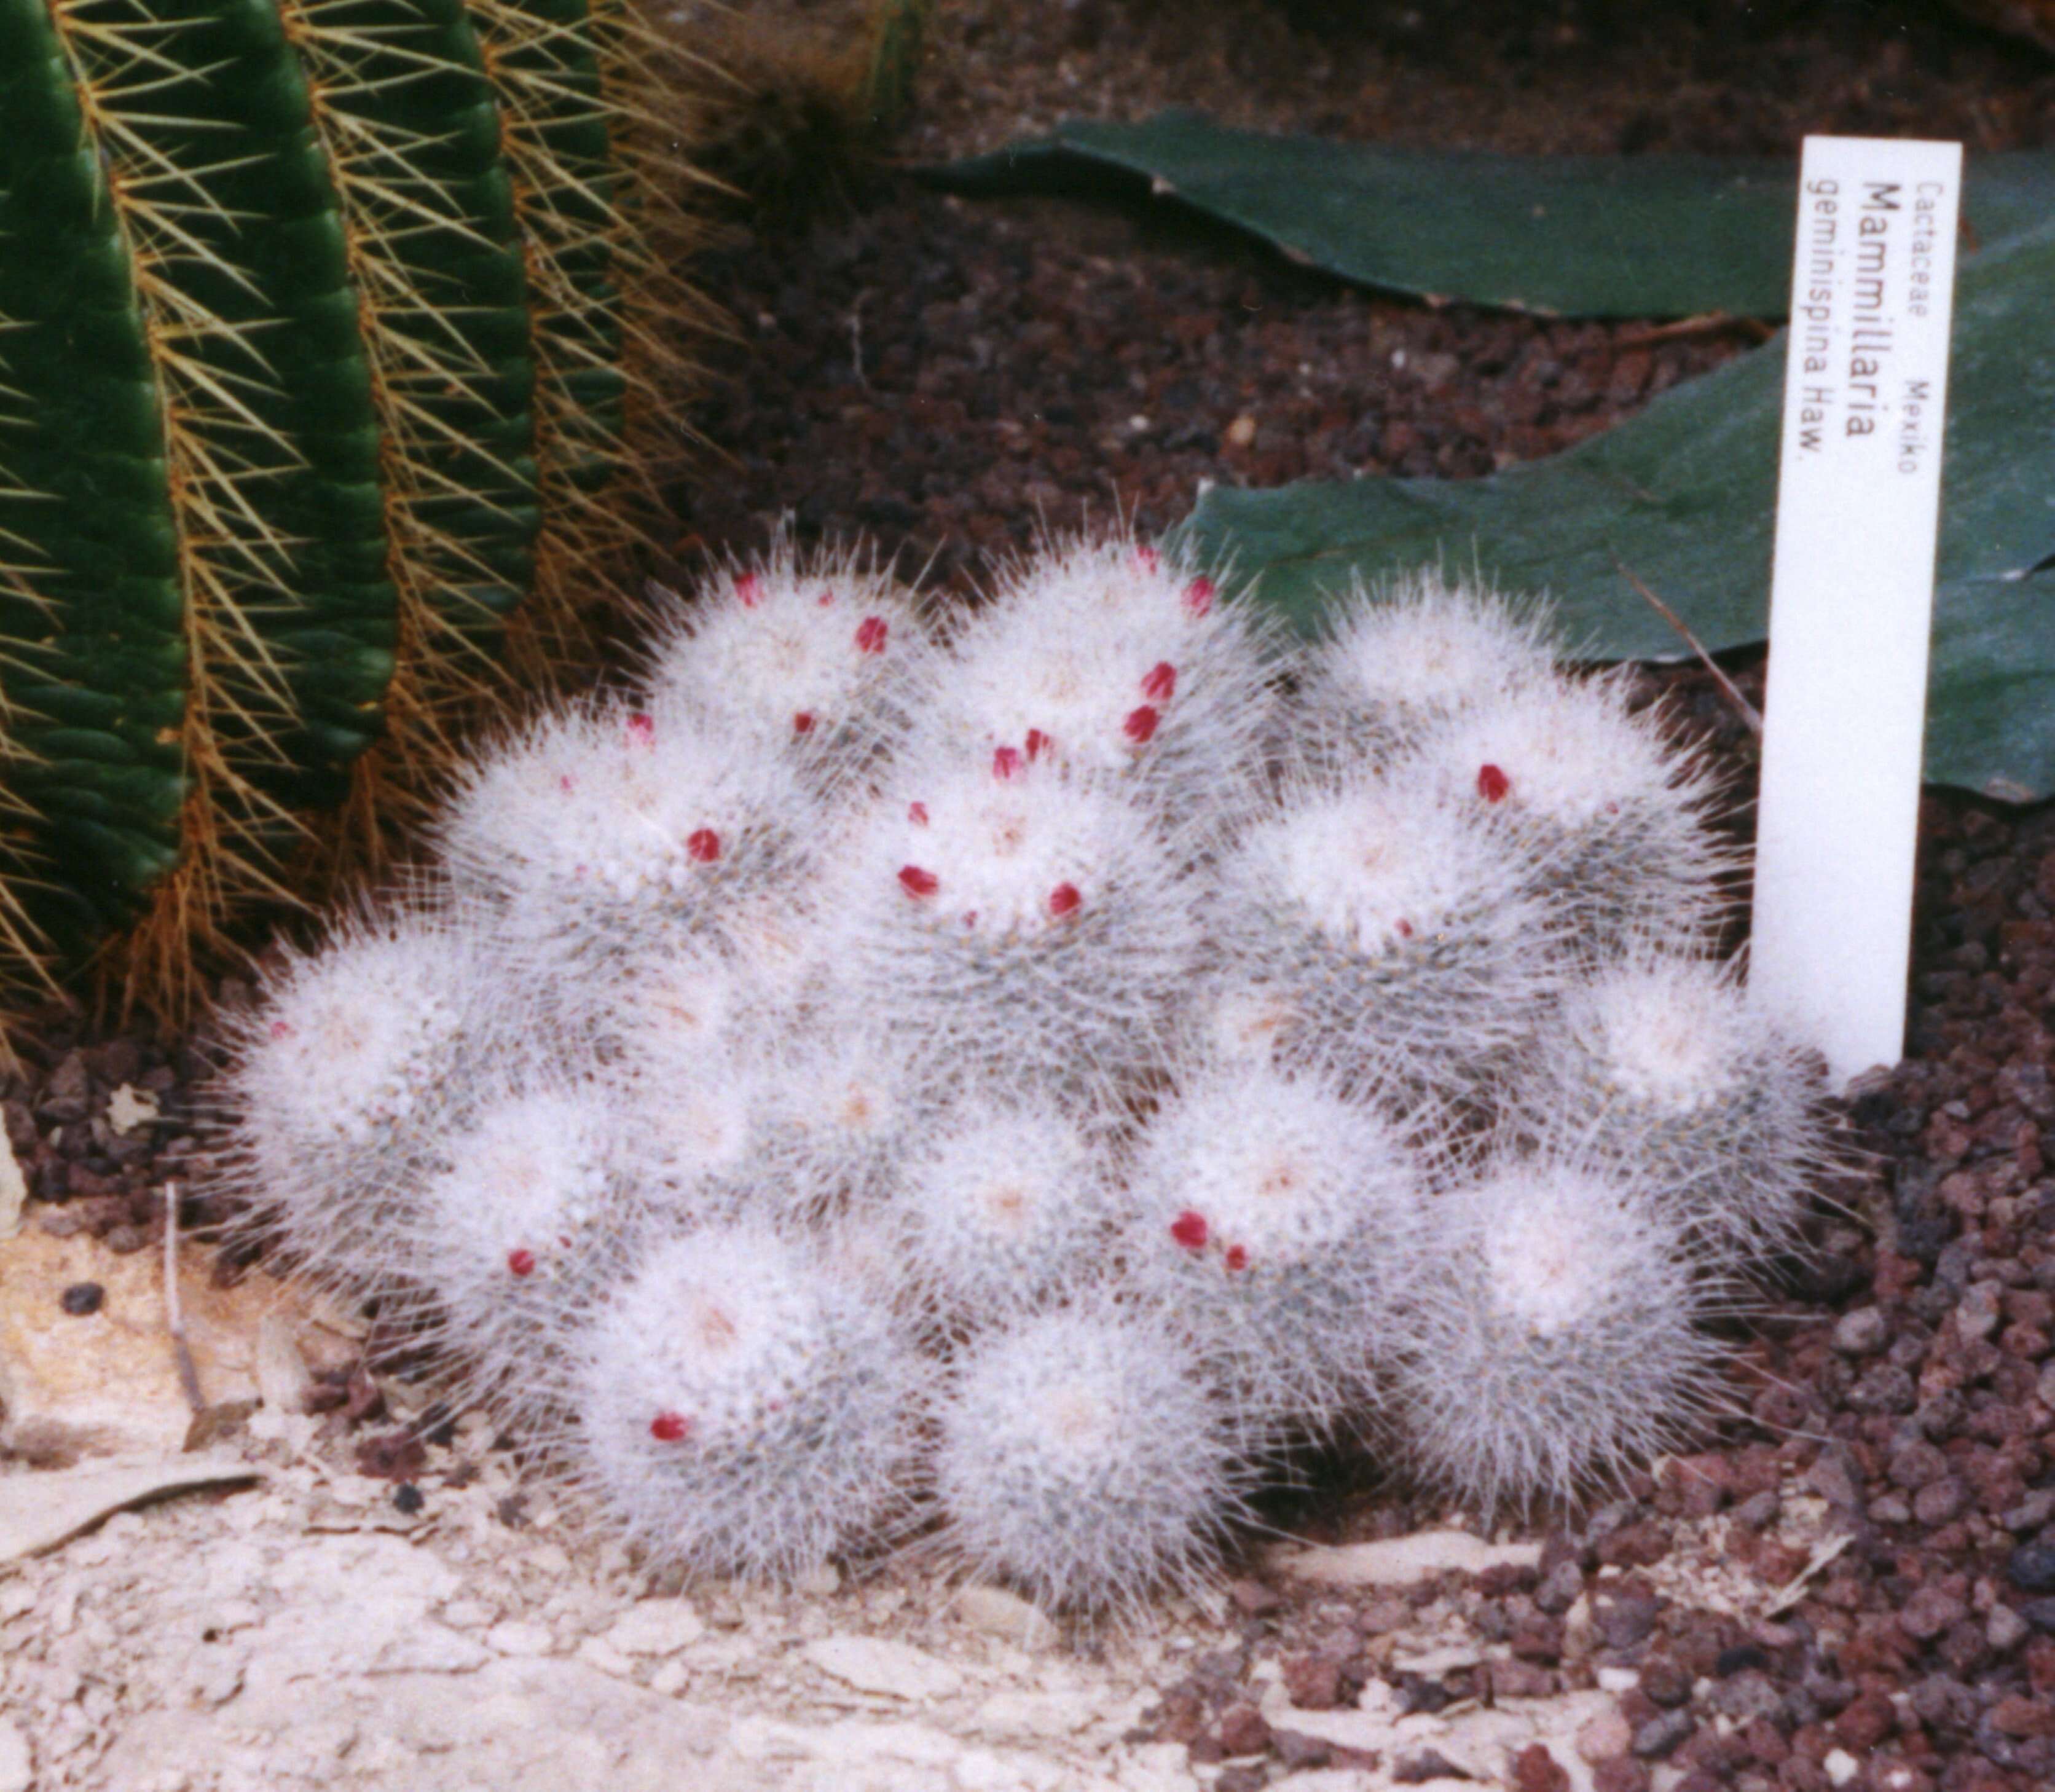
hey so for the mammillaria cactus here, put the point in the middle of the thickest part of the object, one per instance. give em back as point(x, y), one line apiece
point(1398, 935)
point(513, 1236)
point(1017, 921)
point(1082, 1457)
point(1012, 1205)
point(346, 1080)
point(1392, 662)
point(1554, 1335)
point(610, 829)
point(1121, 664)
point(1658, 1061)
point(1277, 1223)
point(1159, 1113)
point(813, 657)
point(733, 1406)
point(1594, 790)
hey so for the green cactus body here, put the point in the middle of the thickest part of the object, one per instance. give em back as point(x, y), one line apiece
point(94, 673)
point(540, 57)
point(407, 123)
point(207, 197)
point(324, 329)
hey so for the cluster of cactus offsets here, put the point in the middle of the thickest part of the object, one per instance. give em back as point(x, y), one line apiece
point(336, 340)
point(1008, 1084)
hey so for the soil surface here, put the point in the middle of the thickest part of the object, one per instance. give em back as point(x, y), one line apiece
point(1853, 1584)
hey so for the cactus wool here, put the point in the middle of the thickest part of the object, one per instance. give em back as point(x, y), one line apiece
point(997, 1090)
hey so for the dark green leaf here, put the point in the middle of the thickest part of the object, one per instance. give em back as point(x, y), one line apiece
point(1643, 236)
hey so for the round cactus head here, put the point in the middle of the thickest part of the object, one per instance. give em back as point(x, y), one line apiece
point(1420, 649)
point(812, 657)
point(736, 1410)
point(1082, 1457)
point(1280, 1223)
point(516, 1234)
point(1013, 922)
point(1010, 1205)
point(1556, 1335)
point(342, 1078)
point(1392, 932)
point(614, 829)
point(1658, 1061)
point(1117, 660)
point(1596, 787)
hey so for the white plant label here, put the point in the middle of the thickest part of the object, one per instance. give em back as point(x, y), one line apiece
point(1851, 592)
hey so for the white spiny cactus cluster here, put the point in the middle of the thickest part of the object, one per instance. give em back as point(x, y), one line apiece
point(1005, 1085)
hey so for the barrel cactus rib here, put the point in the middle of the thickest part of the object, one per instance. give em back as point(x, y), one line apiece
point(92, 688)
point(546, 78)
point(230, 229)
point(406, 120)
point(650, 83)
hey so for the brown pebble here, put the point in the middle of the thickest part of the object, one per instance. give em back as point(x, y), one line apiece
point(1313, 1681)
point(1252, 1599)
point(1865, 1721)
point(1620, 1773)
point(1930, 1611)
point(2019, 1716)
point(1242, 1731)
point(1536, 1769)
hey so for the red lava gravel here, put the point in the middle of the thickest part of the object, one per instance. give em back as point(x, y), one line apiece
point(946, 378)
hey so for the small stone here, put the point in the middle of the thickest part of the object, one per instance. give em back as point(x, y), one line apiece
point(875, 1664)
point(1242, 1731)
point(1252, 1599)
point(514, 1637)
point(1939, 1502)
point(1916, 1465)
point(18, 1768)
point(660, 1627)
point(1521, 1679)
point(2005, 1628)
point(1313, 1681)
point(997, 1612)
point(2031, 1568)
point(1619, 1772)
point(1625, 1614)
point(1536, 1769)
point(1660, 1734)
point(1604, 1736)
point(2017, 1716)
point(1929, 1612)
point(1296, 1750)
point(1862, 1332)
point(1977, 1313)
point(1666, 1683)
point(408, 1498)
point(82, 1298)
point(1840, 1766)
point(1865, 1721)
point(1559, 1588)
